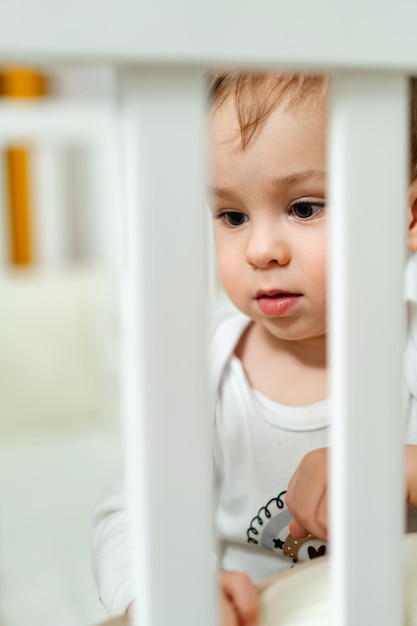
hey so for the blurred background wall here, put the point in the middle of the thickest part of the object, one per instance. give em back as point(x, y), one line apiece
point(60, 440)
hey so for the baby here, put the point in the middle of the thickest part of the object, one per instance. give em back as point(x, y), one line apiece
point(268, 360)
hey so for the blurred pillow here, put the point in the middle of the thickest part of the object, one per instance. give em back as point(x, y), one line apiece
point(53, 371)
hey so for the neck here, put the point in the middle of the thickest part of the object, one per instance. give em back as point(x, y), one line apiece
point(289, 372)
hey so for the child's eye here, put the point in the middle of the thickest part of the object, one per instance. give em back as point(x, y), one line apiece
point(233, 219)
point(306, 209)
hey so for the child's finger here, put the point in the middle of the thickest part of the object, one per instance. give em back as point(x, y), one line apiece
point(242, 593)
point(297, 531)
point(317, 523)
point(228, 616)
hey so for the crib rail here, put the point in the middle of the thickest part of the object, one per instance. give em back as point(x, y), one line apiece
point(323, 34)
point(161, 51)
point(366, 349)
point(168, 428)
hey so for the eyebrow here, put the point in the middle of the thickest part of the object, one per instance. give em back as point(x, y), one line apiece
point(298, 177)
point(290, 180)
point(223, 192)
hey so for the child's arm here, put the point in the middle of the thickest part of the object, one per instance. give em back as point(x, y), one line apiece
point(239, 604)
point(111, 551)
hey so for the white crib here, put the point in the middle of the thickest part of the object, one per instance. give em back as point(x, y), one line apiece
point(161, 51)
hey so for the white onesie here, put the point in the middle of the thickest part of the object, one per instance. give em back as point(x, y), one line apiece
point(258, 444)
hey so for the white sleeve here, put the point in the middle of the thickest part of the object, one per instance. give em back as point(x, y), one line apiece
point(410, 371)
point(112, 533)
point(111, 551)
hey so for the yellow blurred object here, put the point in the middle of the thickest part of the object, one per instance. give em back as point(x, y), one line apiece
point(24, 83)
point(17, 166)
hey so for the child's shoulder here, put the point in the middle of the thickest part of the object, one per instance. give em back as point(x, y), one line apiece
point(224, 334)
point(411, 345)
point(228, 328)
point(411, 349)
point(410, 278)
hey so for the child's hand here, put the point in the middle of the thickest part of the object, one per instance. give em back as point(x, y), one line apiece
point(239, 604)
point(306, 496)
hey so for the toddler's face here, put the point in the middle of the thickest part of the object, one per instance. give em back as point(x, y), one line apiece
point(269, 214)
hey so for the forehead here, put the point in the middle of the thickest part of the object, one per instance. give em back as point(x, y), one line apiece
point(289, 146)
point(256, 95)
point(287, 126)
point(227, 125)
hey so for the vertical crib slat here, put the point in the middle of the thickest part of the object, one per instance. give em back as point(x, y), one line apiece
point(18, 162)
point(52, 225)
point(368, 208)
point(165, 336)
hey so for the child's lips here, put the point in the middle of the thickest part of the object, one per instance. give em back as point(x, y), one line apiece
point(276, 302)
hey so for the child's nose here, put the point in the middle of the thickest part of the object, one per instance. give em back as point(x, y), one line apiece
point(264, 249)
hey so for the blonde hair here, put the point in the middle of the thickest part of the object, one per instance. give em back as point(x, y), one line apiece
point(256, 95)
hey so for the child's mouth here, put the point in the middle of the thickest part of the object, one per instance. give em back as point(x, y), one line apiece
point(276, 303)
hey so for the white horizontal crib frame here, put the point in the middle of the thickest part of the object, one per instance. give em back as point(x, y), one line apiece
point(55, 125)
point(161, 49)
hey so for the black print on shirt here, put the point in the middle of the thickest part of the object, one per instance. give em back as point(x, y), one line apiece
point(313, 553)
point(269, 530)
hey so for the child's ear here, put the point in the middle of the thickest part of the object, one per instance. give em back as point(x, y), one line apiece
point(412, 212)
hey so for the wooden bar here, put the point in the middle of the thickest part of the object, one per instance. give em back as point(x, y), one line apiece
point(20, 83)
point(20, 218)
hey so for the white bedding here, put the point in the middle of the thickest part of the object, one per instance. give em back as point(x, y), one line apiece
point(48, 491)
point(59, 441)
